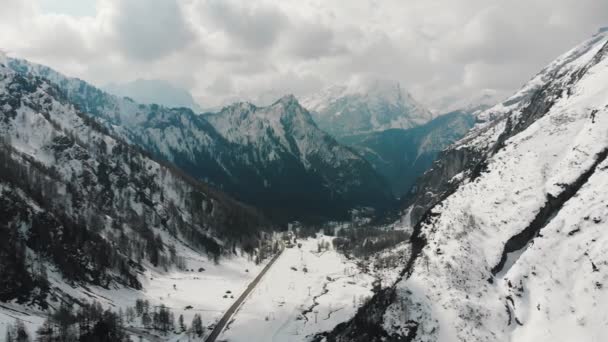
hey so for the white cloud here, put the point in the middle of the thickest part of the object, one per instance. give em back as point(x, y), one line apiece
point(225, 49)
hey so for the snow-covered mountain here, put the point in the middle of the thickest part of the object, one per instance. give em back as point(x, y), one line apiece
point(274, 157)
point(159, 92)
point(369, 105)
point(509, 243)
point(291, 161)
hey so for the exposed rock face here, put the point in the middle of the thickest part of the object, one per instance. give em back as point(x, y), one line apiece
point(440, 181)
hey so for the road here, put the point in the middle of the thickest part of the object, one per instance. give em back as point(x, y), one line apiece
point(224, 320)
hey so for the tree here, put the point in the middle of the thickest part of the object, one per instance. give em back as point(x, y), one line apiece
point(182, 326)
point(65, 318)
point(21, 332)
point(139, 307)
point(130, 314)
point(145, 319)
point(197, 325)
point(46, 332)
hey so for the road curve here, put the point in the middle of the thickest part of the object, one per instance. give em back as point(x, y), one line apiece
point(224, 320)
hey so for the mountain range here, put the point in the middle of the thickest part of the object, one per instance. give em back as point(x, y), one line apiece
point(274, 158)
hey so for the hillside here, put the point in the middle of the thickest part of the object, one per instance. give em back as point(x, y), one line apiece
point(81, 202)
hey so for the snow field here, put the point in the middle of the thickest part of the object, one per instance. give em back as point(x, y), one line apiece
point(290, 305)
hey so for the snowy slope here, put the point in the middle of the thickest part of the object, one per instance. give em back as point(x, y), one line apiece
point(366, 106)
point(515, 251)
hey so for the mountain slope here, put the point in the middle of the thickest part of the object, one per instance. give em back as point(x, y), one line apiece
point(286, 165)
point(85, 205)
point(369, 106)
point(515, 246)
point(402, 155)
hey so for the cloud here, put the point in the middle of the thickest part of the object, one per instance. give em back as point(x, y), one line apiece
point(150, 29)
point(313, 40)
point(442, 50)
point(247, 24)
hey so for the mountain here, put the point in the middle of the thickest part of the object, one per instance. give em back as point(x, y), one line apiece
point(293, 165)
point(402, 155)
point(82, 207)
point(274, 157)
point(364, 107)
point(154, 92)
point(509, 241)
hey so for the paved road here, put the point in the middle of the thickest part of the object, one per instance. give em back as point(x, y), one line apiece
point(224, 320)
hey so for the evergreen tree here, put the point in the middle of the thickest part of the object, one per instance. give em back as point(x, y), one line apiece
point(146, 321)
point(46, 333)
point(182, 325)
point(21, 334)
point(197, 325)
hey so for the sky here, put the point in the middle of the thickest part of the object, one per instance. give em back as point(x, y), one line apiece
point(445, 52)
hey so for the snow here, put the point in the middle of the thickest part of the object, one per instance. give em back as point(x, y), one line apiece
point(563, 295)
point(204, 291)
point(274, 310)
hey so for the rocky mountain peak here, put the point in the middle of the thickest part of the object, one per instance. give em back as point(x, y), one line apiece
point(365, 106)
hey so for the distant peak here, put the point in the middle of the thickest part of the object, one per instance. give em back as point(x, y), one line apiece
point(287, 100)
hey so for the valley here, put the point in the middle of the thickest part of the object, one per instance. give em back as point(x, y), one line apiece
point(285, 173)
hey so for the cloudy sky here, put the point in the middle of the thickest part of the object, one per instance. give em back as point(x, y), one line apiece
point(441, 50)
